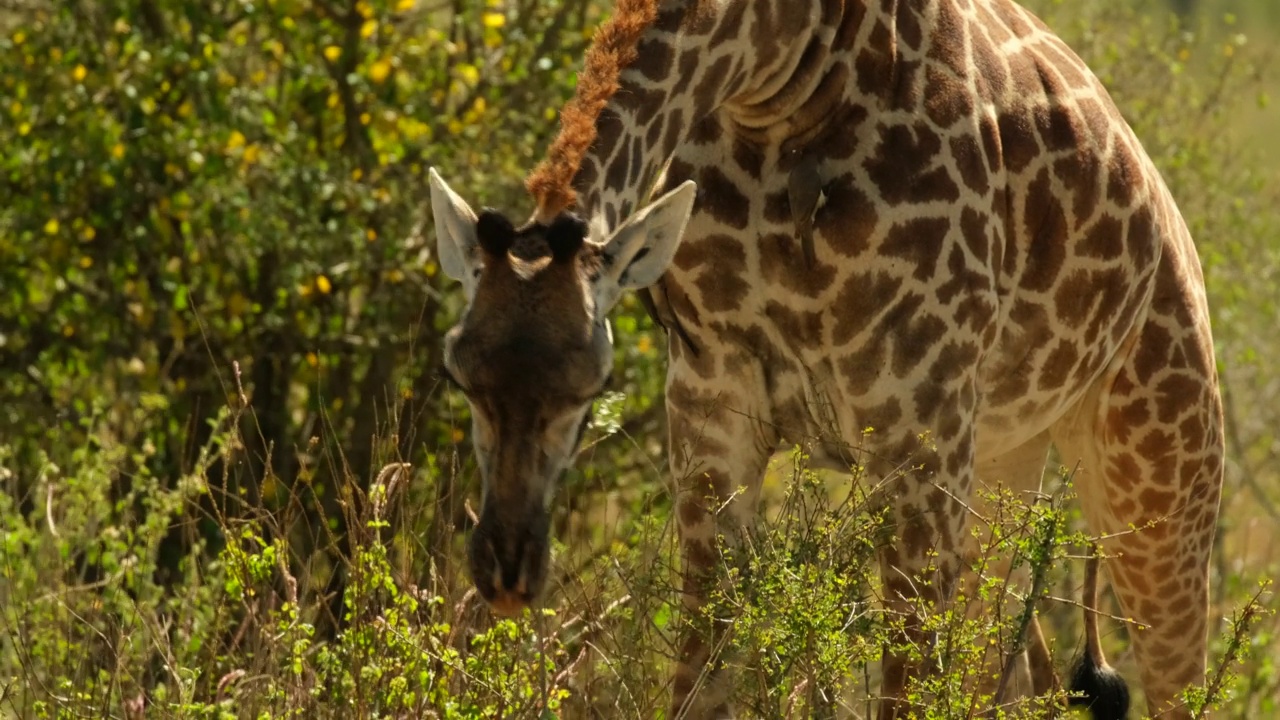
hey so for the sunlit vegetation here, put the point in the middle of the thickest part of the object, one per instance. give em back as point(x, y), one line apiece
point(233, 486)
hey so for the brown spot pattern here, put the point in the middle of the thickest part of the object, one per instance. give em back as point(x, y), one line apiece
point(919, 241)
point(720, 197)
point(722, 265)
point(905, 167)
point(846, 222)
point(782, 263)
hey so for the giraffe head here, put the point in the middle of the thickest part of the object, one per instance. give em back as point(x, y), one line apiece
point(531, 353)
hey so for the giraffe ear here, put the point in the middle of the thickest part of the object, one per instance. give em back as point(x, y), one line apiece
point(456, 239)
point(638, 252)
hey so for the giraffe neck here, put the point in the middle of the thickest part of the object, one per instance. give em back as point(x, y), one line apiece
point(772, 70)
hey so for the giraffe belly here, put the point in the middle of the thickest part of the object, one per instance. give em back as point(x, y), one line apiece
point(892, 379)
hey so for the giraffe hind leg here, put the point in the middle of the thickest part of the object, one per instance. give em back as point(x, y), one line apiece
point(1149, 446)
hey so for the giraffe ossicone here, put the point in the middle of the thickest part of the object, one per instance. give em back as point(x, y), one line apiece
point(922, 216)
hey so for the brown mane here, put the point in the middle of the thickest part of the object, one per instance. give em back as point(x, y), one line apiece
point(612, 50)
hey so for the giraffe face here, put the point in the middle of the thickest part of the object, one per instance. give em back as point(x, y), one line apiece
point(531, 353)
point(530, 387)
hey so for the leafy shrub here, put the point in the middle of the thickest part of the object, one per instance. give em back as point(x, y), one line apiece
point(233, 488)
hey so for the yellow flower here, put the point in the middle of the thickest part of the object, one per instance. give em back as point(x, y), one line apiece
point(235, 141)
point(405, 5)
point(86, 262)
point(68, 331)
point(79, 73)
point(469, 73)
point(371, 234)
point(312, 359)
point(323, 285)
point(457, 435)
point(185, 109)
point(644, 344)
point(51, 227)
point(88, 233)
point(494, 20)
point(379, 71)
point(117, 151)
point(332, 53)
point(368, 28)
point(413, 129)
point(251, 154)
point(24, 129)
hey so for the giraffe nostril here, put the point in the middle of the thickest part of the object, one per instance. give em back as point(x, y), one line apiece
point(513, 567)
point(508, 560)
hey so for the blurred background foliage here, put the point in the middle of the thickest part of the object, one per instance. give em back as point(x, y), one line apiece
point(220, 312)
point(193, 185)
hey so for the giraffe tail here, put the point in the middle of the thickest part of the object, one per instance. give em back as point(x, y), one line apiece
point(1095, 684)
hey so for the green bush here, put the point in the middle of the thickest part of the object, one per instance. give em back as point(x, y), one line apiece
point(232, 485)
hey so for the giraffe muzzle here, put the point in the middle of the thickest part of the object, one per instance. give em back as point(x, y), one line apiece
point(509, 560)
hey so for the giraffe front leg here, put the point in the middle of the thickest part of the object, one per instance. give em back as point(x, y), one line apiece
point(1018, 665)
point(720, 445)
point(922, 563)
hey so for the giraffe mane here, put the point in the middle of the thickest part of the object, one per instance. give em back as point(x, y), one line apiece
point(612, 50)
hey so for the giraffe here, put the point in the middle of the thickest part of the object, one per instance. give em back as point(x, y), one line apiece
point(925, 217)
point(1104, 691)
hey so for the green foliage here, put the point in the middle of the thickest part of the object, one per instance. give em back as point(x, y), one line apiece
point(232, 487)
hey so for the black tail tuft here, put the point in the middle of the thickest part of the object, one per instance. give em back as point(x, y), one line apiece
point(1105, 693)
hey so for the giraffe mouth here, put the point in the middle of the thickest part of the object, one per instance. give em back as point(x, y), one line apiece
point(509, 604)
point(508, 561)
